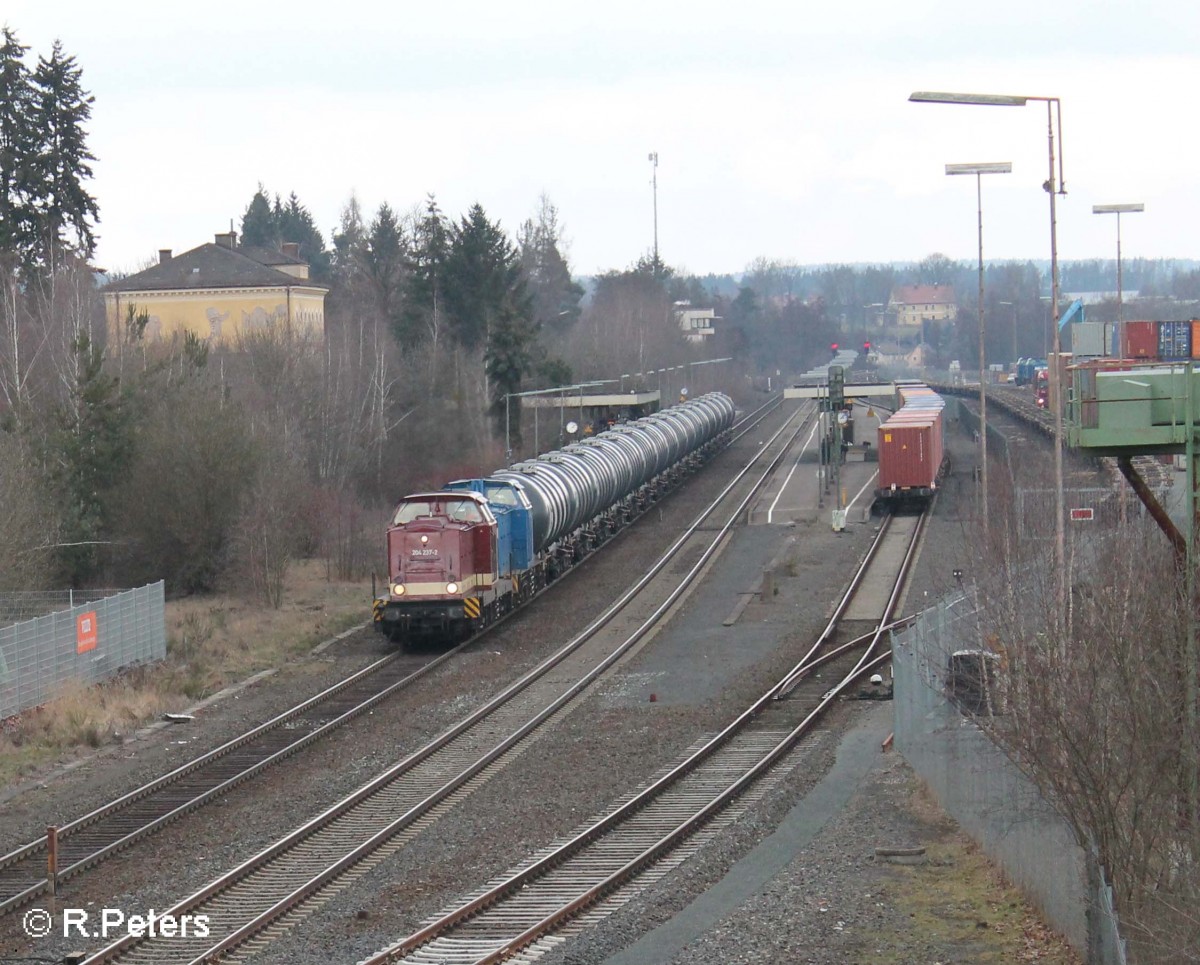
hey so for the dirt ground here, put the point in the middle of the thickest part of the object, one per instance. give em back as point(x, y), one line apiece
point(212, 641)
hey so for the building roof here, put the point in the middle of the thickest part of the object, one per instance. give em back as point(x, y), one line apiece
point(923, 295)
point(215, 266)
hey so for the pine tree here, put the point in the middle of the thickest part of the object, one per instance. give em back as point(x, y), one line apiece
point(89, 452)
point(62, 204)
point(16, 145)
point(555, 296)
point(295, 224)
point(349, 247)
point(385, 264)
point(424, 297)
point(489, 305)
point(258, 224)
point(269, 225)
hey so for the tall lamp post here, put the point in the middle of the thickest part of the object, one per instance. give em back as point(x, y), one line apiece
point(1013, 306)
point(1118, 210)
point(1054, 187)
point(979, 170)
point(654, 185)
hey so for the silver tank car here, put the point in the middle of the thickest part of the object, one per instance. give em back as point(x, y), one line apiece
point(569, 486)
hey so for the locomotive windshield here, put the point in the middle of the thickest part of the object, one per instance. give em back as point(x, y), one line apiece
point(466, 510)
point(501, 496)
point(463, 510)
point(411, 509)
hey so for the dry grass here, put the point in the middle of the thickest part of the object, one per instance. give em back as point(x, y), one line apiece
point(962, 902)
point(211, 642)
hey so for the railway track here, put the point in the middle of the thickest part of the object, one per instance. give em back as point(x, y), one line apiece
point(574, 883)
point(273, 889)
point(92, 838)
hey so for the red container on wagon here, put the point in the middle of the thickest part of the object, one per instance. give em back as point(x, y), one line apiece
point(1139, 340)
point(910, 454)
point(1195, 338)
point(910, 451)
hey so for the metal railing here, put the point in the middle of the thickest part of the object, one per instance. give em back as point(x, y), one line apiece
point(87, 642)
point(984, 791)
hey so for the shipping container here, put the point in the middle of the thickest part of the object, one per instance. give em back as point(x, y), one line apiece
point(1139, 340)
point(1088, 339)
point(1195, 338)
point(1174, 340)
point(910, 454)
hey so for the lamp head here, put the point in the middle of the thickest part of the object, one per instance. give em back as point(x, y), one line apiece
point(990, 100)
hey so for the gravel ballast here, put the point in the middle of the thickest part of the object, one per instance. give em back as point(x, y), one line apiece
point(831, 901)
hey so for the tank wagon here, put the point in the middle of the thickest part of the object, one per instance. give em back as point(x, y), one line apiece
point(911, 448)
point(465, 555)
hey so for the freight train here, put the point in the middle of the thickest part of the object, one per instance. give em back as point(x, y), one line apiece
point(464, 556)
point(911, 449)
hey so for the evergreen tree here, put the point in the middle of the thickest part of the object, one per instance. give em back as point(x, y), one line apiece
point(258, 224)
point(555, 296)
point(90, 452)
point(267, 225)
point(349, 247)
point(60, 165)
point(424, 296)
point(384, 261)
point(483, 272)
point(16, 145)
point(489, 305)
point(295, 223)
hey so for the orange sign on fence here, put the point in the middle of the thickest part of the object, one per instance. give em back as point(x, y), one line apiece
point(85, 632)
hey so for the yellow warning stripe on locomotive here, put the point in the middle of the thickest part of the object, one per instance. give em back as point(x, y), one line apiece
point(471, 608)
point(377, 610)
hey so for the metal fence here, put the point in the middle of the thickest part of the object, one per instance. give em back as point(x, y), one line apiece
point(18, 607)
point(88, 642)
point(985, 792)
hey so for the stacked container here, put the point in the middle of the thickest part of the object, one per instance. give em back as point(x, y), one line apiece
point(1175, 340)
point(911, 446)
point(1139, 340)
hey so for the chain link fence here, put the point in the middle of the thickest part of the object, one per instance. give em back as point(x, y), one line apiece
point(942, 678)
point(88, 642)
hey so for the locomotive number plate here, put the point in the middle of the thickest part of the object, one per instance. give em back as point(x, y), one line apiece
point(424, 552)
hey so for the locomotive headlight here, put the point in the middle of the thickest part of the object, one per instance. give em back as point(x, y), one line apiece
point(397, 589)
point(424, 539)
point(451, 587)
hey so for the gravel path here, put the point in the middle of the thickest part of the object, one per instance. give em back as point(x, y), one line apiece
point(616, 737)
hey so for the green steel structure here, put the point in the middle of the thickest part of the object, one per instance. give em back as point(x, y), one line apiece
point(1136, 409)
point(1145, 409)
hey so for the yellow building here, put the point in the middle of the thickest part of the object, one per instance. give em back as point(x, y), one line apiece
point(218, 292)
point(917, 304)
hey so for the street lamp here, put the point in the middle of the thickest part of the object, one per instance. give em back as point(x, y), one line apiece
point(1118, 210)
point(1052, 187)
point(654, 184)
point(979, 170)
point(1013, 306)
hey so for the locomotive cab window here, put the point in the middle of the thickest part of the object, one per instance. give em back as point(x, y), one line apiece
point(464, 510)
point(501, 495)
point(411, 510)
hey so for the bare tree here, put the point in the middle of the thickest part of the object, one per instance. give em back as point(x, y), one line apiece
point(267, 537)
point(1095, 716)
point(26, 520)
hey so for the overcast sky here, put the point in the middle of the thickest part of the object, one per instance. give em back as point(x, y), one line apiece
point(783, 130)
